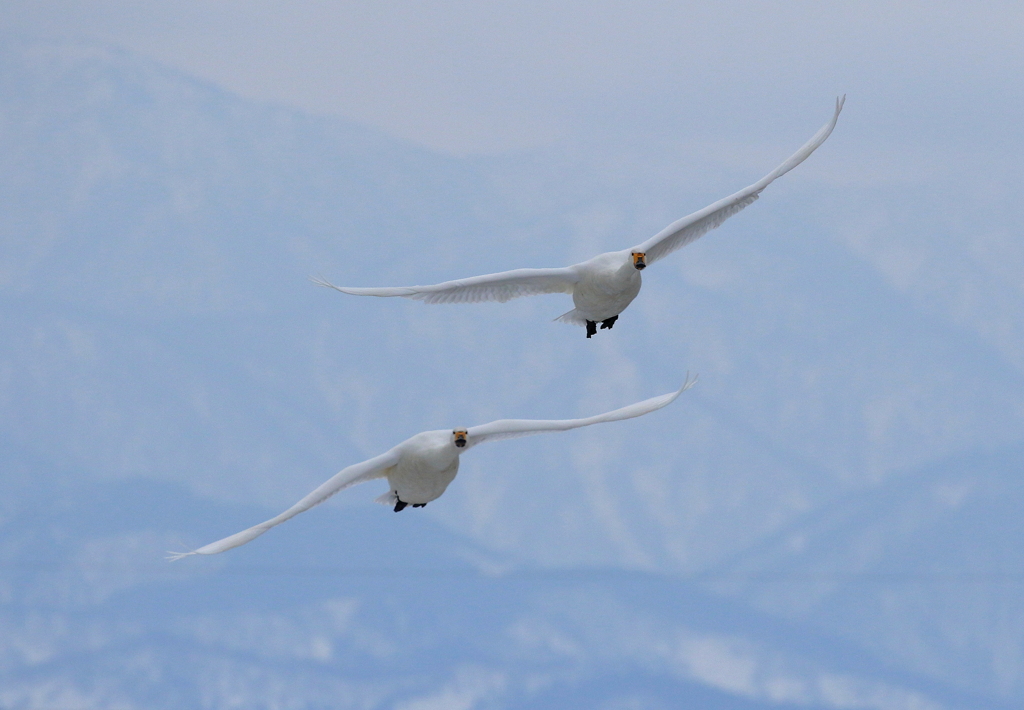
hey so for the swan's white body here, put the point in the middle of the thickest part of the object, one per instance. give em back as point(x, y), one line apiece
point(605, 285)
point(428, 463)
point(420, 468)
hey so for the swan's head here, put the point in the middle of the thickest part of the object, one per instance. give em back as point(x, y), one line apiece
point(639, 260)
point(460, 436)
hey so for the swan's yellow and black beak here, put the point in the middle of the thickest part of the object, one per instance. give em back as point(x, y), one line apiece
point(639, 260)
point(460, 437)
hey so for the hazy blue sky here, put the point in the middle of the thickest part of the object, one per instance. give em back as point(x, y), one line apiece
point(483, 77)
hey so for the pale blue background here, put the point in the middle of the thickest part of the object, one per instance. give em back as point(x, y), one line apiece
point(829, 520)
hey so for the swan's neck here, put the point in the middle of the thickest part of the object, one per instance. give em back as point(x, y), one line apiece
point(627, 272)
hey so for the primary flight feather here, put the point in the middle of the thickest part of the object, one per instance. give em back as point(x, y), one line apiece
point(601, 287)
point(420, 468)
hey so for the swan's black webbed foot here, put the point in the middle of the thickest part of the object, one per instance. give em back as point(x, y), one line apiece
point(400, 505)
point(609, 323)
point(419, 505)
point(591, 327)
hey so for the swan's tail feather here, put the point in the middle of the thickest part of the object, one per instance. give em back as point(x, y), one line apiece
point(572, 318)
point(388, 499)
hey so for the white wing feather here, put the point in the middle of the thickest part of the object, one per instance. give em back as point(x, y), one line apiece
point(509, 428)
point(350, 476)
point(692, 227)
point(490, 287)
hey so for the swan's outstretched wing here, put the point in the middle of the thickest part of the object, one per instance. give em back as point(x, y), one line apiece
point(350, 476)
point(509, 428)
point(492, 287)
point(690, 228)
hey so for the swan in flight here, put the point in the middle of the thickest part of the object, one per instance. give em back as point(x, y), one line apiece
point(603, 286)
point(421, 467)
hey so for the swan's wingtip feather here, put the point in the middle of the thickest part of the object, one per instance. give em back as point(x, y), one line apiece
point(321, 281)
point(175, 556)
point(688, 383)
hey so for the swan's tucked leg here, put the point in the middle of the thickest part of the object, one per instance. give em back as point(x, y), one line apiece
point(419, 505)
point(400, 505)
point(609, 323)
point(591, 327)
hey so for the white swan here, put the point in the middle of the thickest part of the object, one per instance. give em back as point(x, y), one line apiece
point(603, 286)
point(421, 467)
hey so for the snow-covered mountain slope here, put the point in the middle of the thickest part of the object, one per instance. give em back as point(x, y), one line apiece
point(353, 609)
point(925, 571)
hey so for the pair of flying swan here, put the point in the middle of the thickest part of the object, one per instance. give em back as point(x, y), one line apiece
point(419, 469)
